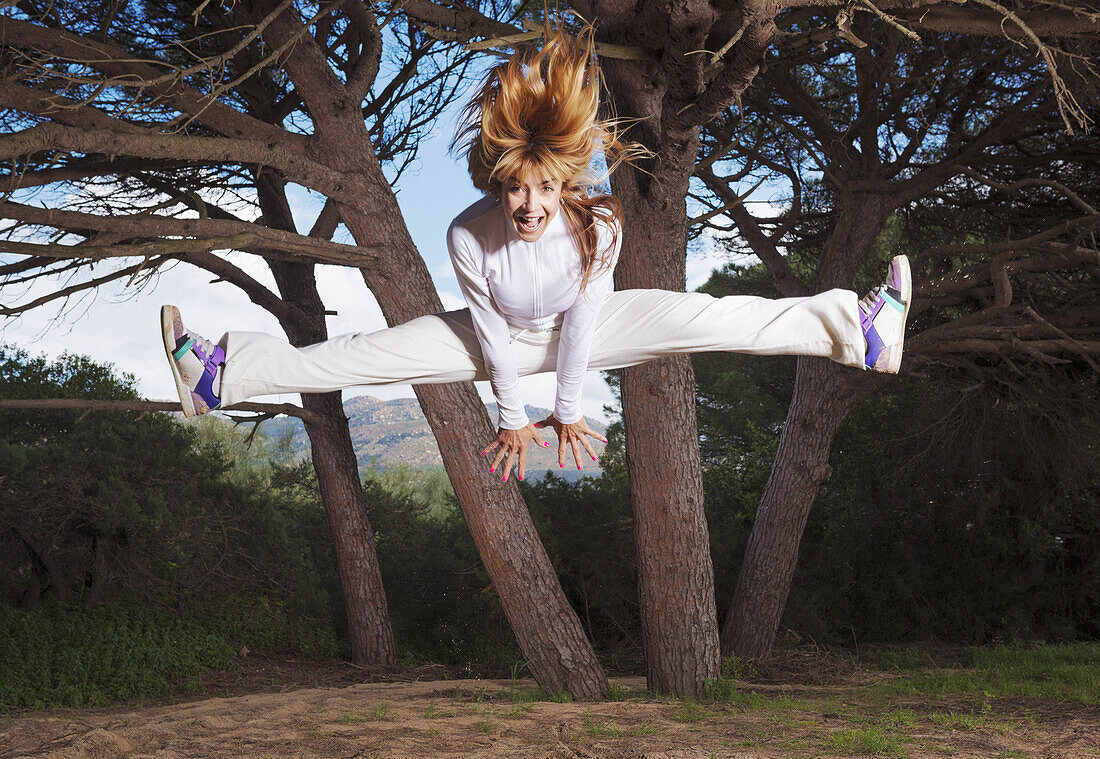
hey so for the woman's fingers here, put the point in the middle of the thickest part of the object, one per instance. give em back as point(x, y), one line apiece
point(574, 443)
point(588, 447)
point(496, 461)
point(508, 465)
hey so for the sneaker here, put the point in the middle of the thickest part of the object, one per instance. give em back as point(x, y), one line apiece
point(882, 314)
point(194, 362)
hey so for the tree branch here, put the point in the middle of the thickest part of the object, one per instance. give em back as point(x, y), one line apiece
point(116, 62)
point(272, 409)
point(196, 235)
point(149, 265)
point(763, 246)
point(296, 168)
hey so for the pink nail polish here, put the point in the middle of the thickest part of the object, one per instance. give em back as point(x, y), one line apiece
point(579, 466)
point(562, 465)
point(490, 470)
point(521, 476)
point(505, 478)
point(483, 453)
point(593, 458)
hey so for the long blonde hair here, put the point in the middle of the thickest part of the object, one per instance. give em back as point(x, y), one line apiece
point(537, 115)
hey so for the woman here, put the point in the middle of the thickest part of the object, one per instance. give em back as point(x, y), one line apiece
point(534, 260)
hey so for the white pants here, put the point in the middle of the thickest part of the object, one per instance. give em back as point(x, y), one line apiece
point(634, 326)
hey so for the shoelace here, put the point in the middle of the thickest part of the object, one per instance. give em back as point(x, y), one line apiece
point(867, 302)
point(205, 350)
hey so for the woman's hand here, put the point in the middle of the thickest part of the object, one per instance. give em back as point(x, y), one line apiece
point(572, 435)
point(512, 443)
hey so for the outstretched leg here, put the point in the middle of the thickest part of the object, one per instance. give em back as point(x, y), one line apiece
point(435, 348)
point(429, 349)
point(640, 325)
point(634, 326)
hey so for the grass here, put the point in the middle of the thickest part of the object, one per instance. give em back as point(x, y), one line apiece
point(970, 721)
point(352, 717)
point(619, 692)
point(517, 709)
point(485, 726)
point(1060, 672)
point(730, 693)
point(598, 729)
point(899, 718)
point(688, 711)
point(560, 696)
point(871, 740)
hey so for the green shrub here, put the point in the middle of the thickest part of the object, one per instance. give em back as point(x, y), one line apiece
point(54, 656)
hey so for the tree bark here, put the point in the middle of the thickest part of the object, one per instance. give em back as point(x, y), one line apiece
point(369, 629)
point(675, 573)
point(547, 629)
point(819, 404)
point(824, 392)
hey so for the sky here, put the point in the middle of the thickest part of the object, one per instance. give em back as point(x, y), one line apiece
point(121, 326)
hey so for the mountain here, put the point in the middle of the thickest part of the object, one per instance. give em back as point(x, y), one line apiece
point(388, 433)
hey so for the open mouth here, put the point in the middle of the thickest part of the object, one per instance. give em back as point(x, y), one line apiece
point(528, 223)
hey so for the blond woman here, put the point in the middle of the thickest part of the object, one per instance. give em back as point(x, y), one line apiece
point(534, 259)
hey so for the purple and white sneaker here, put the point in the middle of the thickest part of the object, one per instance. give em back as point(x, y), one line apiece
point(882, 314)
point(195, 362)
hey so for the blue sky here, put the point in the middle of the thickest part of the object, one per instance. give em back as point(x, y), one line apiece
point(121, 326)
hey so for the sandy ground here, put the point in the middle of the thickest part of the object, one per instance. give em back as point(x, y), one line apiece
point(496, 718)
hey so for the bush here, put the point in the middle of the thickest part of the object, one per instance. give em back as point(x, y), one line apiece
point(60, 656)
point(440, 599)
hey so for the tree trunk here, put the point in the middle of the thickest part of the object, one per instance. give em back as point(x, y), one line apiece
point(334, 460)
point(675, 573)
point(824, 392)
point(369, 629)
point(819, 404)
point(547, 629)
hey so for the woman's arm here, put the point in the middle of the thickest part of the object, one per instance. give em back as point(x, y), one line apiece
point(491, 329)
point(574, 346)
point(578, 326)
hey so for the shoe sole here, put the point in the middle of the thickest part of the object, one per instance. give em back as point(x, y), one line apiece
point(169, 318)
point(900, 265)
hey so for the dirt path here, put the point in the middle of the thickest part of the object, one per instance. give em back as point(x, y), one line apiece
point(497, 718)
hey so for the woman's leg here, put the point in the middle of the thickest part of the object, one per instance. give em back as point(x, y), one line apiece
point(428, 349)
point(635, 326)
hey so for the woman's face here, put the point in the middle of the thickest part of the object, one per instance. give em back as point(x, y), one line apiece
point(530, 204)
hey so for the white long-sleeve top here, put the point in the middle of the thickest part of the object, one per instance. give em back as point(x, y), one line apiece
point(530, 285)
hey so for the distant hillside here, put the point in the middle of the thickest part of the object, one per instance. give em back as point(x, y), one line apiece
point(388, 433)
